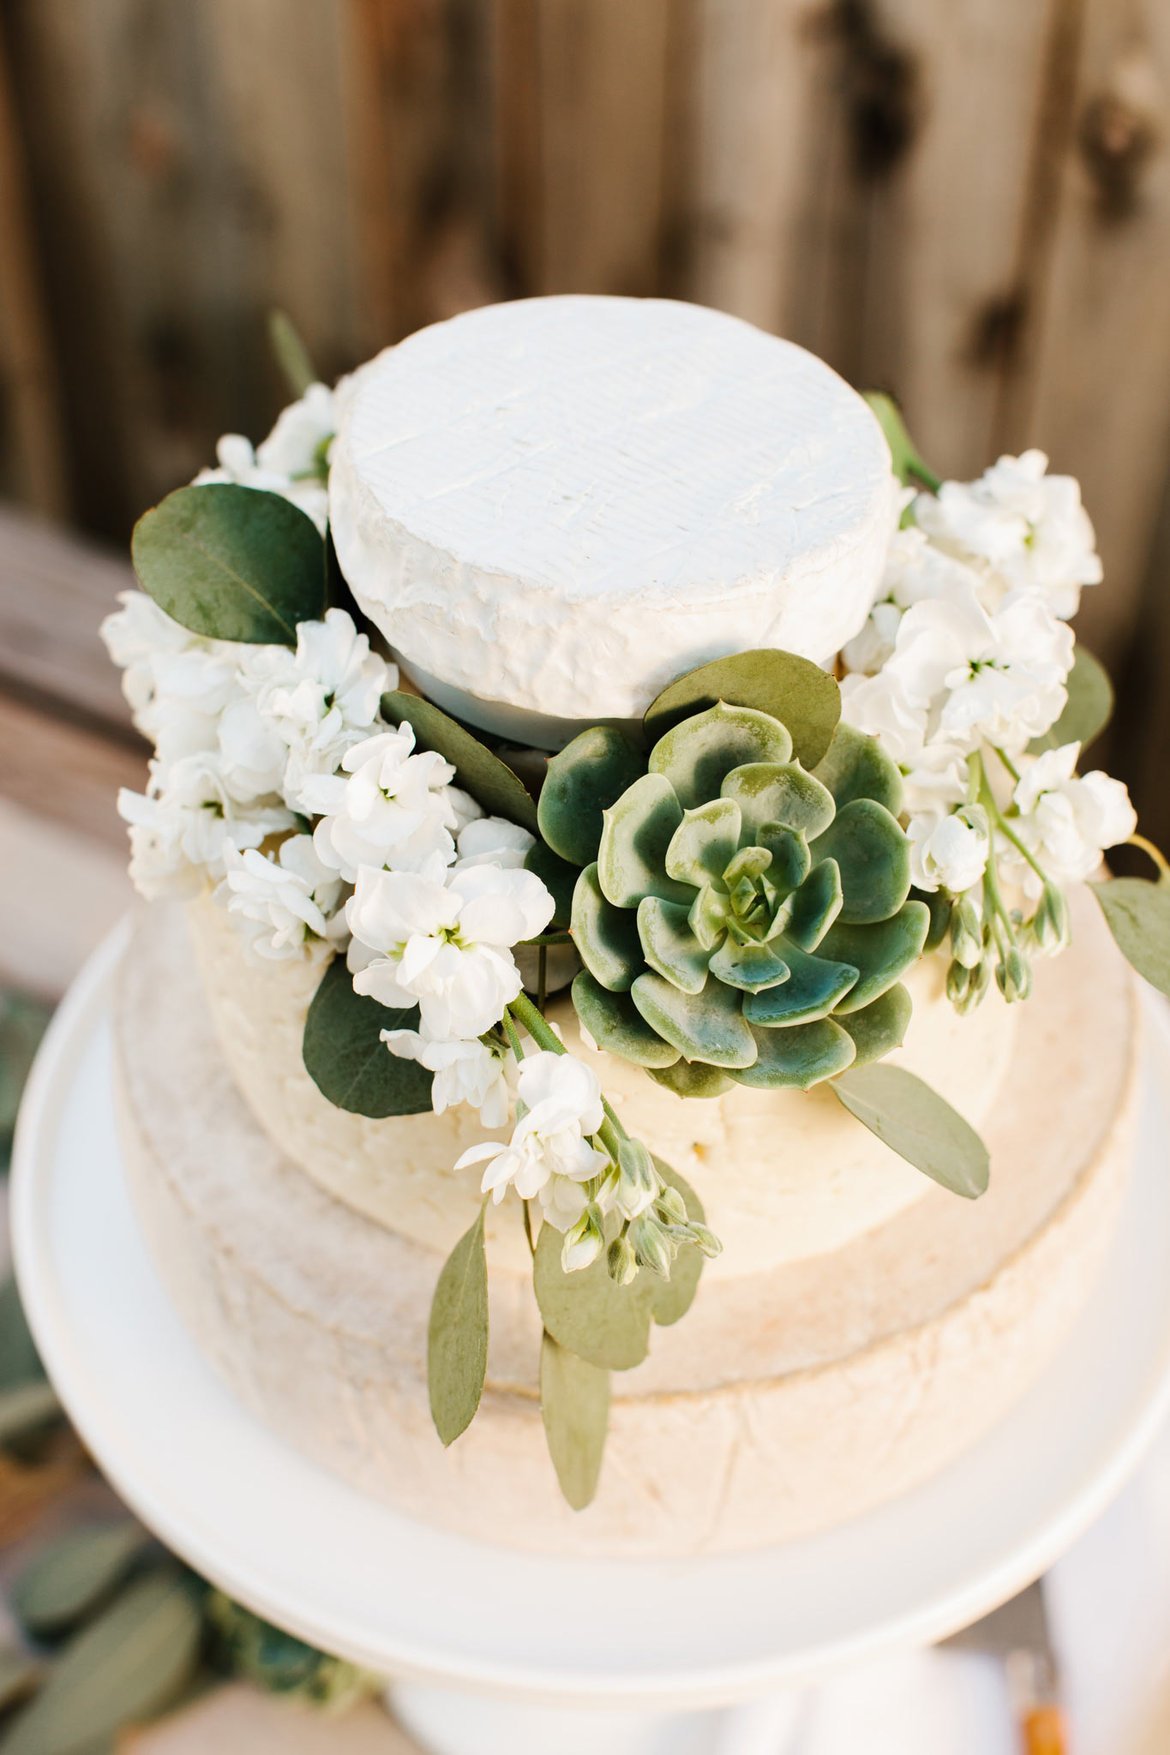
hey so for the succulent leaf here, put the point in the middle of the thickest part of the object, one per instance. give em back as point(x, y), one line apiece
point(791, 859)
point(815, 987)
point(815, 906)
point(802, 696)
point(799, 1057)
point(616, 1024)
point(873, 857)
point(587, 776)
point(856, 766)
point(707, 1026)
point(882, 953)
point(696, 755)
point(750, 966)
point(606, 937)
point(779, 792)
point(670, 946)
point(691, 1078)
point(879, 1027)
point(704, 843)
point(636, 832)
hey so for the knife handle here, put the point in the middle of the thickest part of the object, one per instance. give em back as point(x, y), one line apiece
point(1043, 1731)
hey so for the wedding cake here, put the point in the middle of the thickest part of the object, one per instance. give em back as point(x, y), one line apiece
point(627, 1048)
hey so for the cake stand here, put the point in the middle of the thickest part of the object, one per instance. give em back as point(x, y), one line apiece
point(494, 1650)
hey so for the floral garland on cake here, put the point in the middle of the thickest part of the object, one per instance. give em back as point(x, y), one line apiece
point(737, 889)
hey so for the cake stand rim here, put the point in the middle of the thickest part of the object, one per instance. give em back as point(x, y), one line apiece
point(688, 1683)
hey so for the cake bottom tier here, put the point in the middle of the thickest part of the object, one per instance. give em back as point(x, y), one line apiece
point(316, 1317)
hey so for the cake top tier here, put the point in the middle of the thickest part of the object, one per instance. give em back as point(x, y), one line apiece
point(553, 507)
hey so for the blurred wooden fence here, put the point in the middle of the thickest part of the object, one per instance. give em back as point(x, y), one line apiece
point(967, 201)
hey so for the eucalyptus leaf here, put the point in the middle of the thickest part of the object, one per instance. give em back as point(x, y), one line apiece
point(346, 1058)
point(457, 1338)
point(588, 1313)
point(126, 1666)
point(490, 781)
point(70, 1576)
point(574, 1405)
point(292, 356)
point(26, 1407)
point(1137, 912)
point(800, 694)
point(1087, 711)
point(907, 463)
point(232, 563)
point(914, 1121)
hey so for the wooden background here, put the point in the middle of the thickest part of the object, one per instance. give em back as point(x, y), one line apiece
point(966, 201)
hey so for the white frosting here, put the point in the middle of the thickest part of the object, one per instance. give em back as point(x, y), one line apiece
point(554, 507)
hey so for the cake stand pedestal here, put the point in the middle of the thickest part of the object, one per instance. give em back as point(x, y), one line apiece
point(497, 1651)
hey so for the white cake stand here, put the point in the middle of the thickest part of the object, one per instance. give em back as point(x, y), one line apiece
point(633, 1641)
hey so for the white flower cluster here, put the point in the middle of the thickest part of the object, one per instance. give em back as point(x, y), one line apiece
point(292, 461)
point(967, 653)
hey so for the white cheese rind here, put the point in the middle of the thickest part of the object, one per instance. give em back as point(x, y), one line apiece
point(554, 507)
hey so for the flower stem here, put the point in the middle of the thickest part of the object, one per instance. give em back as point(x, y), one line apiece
point(528, 1226)
point(522, 1011)
point(1155, 853)
point(1008, 763)
point(541, 977)
point(988, 801)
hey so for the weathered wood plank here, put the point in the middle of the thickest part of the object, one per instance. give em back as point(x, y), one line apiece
point(64, 773)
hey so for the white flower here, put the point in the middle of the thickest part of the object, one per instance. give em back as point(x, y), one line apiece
point(474, 1071)
point(1029, 527)
point(396, 807)
point(177, 684)
point(320, 700)
point(548, 1150)
point(1067, 821)
point(252, 755)
point(874, 642)
point(880, 706)
point(445, 944)
point(288, 903)
point(184, 824)
point(946, 853)
point(292, 461)
point(936, 779)
point(493, 841)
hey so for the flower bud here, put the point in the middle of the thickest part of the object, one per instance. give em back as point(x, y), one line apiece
point(706, 1240)
point(958, 984)
point(652, 1246)
point(966, 933)
point(620, 1260)
point(583, 1242)
point(638, 1180)
point(1050, 922)
point(672, 1208)
point(1013, 976)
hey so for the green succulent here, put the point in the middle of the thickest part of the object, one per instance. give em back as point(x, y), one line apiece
point(739, 917)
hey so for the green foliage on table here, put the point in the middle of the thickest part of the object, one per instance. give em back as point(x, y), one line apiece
point(232, 563)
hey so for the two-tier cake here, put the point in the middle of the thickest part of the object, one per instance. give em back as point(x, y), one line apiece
point(620, 838)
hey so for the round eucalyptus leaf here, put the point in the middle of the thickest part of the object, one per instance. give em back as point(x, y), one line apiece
point(914, 1121)
point(1137, 912)
point(1087, 711)
point(232, 563)
point(581, 782)
point(795, 691)
point(346, 1058)
point(606, 1324)
point(490, 781)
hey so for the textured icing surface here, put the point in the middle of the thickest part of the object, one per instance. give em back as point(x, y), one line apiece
point(560, 504)
point(784, 1174)
point(927, 1331)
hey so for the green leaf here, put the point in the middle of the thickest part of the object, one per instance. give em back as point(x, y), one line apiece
point(1087, 711)
point(636, 832)
point(26, 1407)
point(707, 1026)
point(127, 1666)
point(606, 1324)
point(799, 1057)
point(914, 1121)
point(705, 842)
point(881, 953)
point(292, 356)
point(781, 793)
point(815, 987)
point(1138, 915)
point(856, 766)
point(490, 782)
point(574, 1405)
point(879, 1027)
point(346, 1058)
point(606, 937)
point(558, 878)
point(800, 694)
point(72, 1575)
point(873, 857)
point(617, 1026)
point(584, 779)
point(750, 966)
point(232, 563)
point(697, 754)
point(457, 1339)
point(815, 906)
point(907, 464)
point(692, 1079)
point(670, 946)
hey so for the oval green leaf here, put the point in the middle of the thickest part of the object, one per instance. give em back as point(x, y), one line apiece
point(800, 694)
point(1138, 915)
point(574, 1405)
point(457, 1338)
point(232, 563)
point(128, 1665)
point(605, 1324)
point(490, 781)
point(72, 1575)
point(914, 1121)
point(907, 464)
point(346, 1058)
point(1087, 711)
